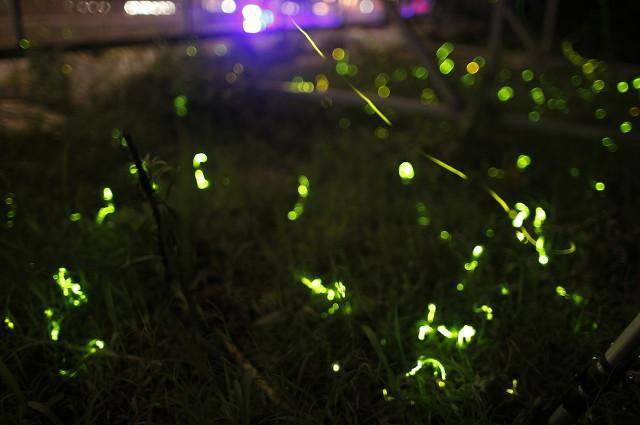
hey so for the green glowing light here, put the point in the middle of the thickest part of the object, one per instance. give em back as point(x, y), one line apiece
point(477, 251)
point(636, 83)
point(104, 212)
point(471, 266)
point(599, 186)
point(600, 113)
point(423, 218)
point(107, 194)
point(24, 44)
point(460, 286)
point(405, 171)
point(446, 66)
point(490, 233)
point(180, 105)
point(464, 335)
point(381, 133)
point(420, 72)
point(191, 51)
point(598, 86)
point(444, 235)
point(76, 216)
point(399, 74)
point(428, 96)
point(303, 191)
point(539, 218)
point(438, 368)
point(444, 50)
point(423, 331)
point(537, 95)
point(53, 324)
point(504, 290)
point(335, 367)
point(445, 332)
point(488, 311)
point(9, 323)
point(527, 75)
point(523, 161)
point(625, 127)
point(292, 215)
point(201, 182)
point(315, 285)
point(198, 159)
point(431, 313)
point(521, 215)
point(534, 116)
point(622, 87)
point(505, 93)
point(386, 396)
point(514, 388)
point(468, 79)
point(561, 291)
point(71, 290)
point(480, 61)
point(384, 91)
point(576, 80)
point(94, 345)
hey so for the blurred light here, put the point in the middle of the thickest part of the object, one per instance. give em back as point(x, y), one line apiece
point(523, 161)
point(447, 66)
point(625, 127)
point(598, 86)
point(505, 93)
point(383, 91)
point(473, 67)
point(155, 8)
point(366, 6)
point(252, 18)
point(405, 170)
point(228, 6)
point(290, 8)
point(338, 54)
point(527, 75)
point(320, 9)
point(623, 86)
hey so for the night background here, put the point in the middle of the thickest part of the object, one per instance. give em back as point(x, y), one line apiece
point(319, 211)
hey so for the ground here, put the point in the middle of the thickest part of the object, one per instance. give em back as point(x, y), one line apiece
point(307, 259)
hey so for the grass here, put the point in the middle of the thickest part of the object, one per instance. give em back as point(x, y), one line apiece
point(242, 261)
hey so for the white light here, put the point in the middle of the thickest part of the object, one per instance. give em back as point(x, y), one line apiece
point(228, 6)
point(252, 18)
point(252, 26)
point(366, 6)
point(155, 8)
point(251, 11)
point(290, 8)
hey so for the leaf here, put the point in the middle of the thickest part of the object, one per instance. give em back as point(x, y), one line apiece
point(11, 382)
point(375, 342)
